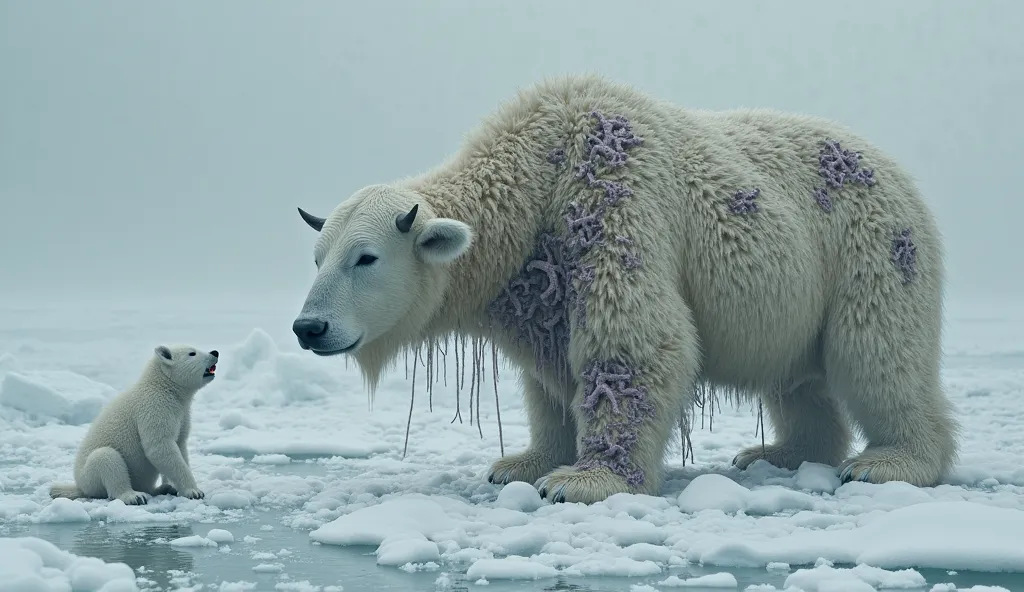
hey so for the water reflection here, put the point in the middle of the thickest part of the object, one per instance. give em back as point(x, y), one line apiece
point(134, 545)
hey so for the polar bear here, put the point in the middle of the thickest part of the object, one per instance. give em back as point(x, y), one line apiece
point(623, 251)
point(143, 433)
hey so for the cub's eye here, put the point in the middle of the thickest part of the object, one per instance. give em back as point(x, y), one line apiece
point(191, 353)
point(366, 260)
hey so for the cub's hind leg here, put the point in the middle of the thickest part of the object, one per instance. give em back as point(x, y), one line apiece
point(105, 475)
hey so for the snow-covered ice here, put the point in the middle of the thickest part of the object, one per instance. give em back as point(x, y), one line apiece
point(290, 441)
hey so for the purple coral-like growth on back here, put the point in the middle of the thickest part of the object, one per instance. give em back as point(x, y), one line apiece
point(744, 202)
point(628, 402)
point(608, 144)
point(904, 255)
point(838, 166)
point(611, 139)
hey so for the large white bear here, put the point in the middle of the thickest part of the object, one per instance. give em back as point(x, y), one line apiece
point(622, 250)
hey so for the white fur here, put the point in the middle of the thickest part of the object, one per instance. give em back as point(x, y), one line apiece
point(801, 308)
point(143, 433)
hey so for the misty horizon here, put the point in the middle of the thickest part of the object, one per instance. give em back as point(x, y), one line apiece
point(161, 151)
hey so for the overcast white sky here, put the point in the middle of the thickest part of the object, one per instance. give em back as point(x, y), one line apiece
point(163, 147)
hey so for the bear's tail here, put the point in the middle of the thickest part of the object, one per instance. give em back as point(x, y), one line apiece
point(68, 490)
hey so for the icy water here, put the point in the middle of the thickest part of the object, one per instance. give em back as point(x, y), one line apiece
point(265, 554)
point(287, 555)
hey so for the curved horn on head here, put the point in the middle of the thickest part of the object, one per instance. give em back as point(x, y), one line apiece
point(315, 223)
point(404, 221)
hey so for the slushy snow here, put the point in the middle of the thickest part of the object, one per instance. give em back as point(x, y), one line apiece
point(291, 441)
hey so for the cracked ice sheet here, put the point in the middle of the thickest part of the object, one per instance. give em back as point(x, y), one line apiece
point(326, 464)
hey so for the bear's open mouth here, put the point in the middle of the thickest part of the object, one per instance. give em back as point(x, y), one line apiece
point(209, 371)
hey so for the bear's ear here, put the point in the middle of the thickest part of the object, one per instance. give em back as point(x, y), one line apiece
point(443, 240)
point(163, 352)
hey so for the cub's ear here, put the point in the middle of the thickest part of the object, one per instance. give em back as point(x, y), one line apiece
point(163, 352)
point(443, 240)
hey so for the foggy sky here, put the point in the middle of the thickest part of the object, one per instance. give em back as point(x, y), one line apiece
point(162, 148)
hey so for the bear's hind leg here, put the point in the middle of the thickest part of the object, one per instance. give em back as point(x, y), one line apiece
point(105, 474)
point(552, 439)
point(809, 426)
point(885, 366)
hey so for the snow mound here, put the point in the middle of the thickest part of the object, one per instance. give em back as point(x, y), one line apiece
point(940, 535)
point(519, 496)
point(722, 494)
point(278, 377)
point(55, 394)
point(30, 563)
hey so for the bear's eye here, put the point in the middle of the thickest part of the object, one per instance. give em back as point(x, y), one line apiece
point(191, 353)
point(366, 260)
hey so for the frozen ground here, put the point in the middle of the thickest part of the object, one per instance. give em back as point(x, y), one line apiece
point(307, 489)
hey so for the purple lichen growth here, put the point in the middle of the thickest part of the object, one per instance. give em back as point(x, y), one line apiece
point(586, 228)
point(535, 303)
point(557, 157)
point(904, 255)
point(824, 201)
point(838, 166)
point(628, 405)
point(744, 202)
point(608, 144)
point(610, 140)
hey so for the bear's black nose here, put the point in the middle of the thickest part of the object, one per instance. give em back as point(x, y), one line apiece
point(309, 330)
point(215, 354)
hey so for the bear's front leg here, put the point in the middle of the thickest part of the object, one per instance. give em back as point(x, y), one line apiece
point(625, 416)
point(552, 439)
point(627, 405)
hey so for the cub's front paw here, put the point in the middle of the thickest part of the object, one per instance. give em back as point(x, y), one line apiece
point(195, 493)
point(134, 498)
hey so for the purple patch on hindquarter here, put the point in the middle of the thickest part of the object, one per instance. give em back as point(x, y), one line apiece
point(904, 255)
point(627, 407)
point(744, 202)
point(838, 166)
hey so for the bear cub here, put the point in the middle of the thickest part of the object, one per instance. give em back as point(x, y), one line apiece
point(142, 433)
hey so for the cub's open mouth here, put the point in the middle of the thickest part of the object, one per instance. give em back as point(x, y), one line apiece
point(209, 371)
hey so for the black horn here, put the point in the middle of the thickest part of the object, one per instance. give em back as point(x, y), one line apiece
point(404, 221)
point(315, 223)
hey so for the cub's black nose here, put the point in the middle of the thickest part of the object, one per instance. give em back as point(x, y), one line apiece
point(308, 330)
point(215, 354)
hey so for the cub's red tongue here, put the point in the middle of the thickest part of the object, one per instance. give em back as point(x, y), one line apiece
point(211, 369)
